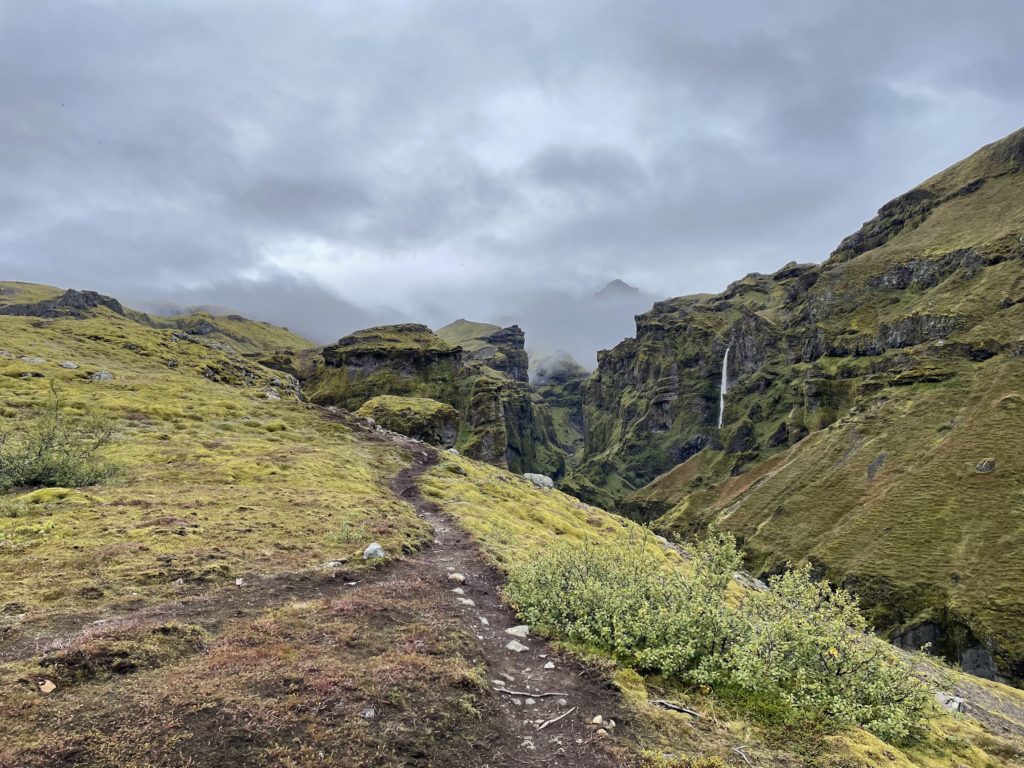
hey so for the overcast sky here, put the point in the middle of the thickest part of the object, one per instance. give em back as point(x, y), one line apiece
point(332, 163)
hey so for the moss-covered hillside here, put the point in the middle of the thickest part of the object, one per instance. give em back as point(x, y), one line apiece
point(866, 397)
point(207, 604)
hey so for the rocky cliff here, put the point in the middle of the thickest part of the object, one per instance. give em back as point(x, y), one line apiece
point(478, 369)
point(868, 400)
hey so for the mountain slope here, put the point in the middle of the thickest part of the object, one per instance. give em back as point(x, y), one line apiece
point(865, 396)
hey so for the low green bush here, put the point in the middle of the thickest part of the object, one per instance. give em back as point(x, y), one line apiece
point(809, 645)
point(54, 449)
point(800, 644)
point(622, 599)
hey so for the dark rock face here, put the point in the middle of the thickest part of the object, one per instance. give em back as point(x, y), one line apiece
point(71, 304)
point(511, 358)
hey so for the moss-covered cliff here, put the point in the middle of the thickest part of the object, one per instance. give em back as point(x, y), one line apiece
point(478, 369)
point(865, 396)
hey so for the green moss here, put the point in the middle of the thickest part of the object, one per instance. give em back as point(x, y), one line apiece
point(418, 417)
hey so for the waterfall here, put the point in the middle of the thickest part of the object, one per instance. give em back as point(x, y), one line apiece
point(725, 386)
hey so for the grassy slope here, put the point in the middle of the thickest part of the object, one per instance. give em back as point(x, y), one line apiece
point(514, 521)
point(467, 334)
point(217, 481)
point(243, 334)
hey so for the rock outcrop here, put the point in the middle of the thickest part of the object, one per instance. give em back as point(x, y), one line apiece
point(418, 417)
point(71, 303)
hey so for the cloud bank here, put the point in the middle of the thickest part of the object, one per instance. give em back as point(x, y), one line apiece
point(327, 164)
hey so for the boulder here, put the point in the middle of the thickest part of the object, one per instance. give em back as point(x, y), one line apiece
point(541, 481)
point(375, 550)
point(102, 376)
point(985, 466)
point(68, 365)
point(520, 631)
point(516, 647)
point(949, 702)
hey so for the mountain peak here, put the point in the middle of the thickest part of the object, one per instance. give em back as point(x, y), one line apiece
point(616, 288)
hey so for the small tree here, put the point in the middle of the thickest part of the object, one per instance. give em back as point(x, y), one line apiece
point(53, 449)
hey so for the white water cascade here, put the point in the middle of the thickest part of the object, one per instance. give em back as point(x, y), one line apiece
point(725, 386)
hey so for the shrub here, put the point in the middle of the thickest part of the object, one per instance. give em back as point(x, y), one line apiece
point(801, 646)
point(53, 449)
point(809, 645)
point(624, 599)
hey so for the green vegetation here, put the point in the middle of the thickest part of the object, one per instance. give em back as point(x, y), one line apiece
point(467, 334)
point(55, 449)
point(801, 644)
point(417, 417)
point(501, 421)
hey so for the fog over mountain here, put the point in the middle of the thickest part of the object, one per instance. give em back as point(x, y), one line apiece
point(329, 165)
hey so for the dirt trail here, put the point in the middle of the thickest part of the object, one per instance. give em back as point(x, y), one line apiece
point(571, 738)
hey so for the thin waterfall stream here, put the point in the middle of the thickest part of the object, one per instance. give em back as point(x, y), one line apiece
point(724, 387)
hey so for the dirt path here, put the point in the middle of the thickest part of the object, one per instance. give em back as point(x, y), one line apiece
point(543, 730)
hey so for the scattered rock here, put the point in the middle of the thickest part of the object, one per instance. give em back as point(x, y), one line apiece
point(453, 452)
point(272, 394)
point(516, 647)
point(67, 364)
point(33, 360)
point(985, 466)
point(47, 686)
point(375, 550)
point(102, 376)
point(459, 591)
point(541, 481)
point(602, 732)
point(598, 720)
point(466, 601)
point(520, 631)
point(369, 713)
point(334, 563)
point(562, 702)
point(484, 621)
point(949, 702)
point(530, 702)
point(456, 578)
point(549, 665)
point(239, 582)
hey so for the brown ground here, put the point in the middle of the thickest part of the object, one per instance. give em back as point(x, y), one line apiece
point(309, 669)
